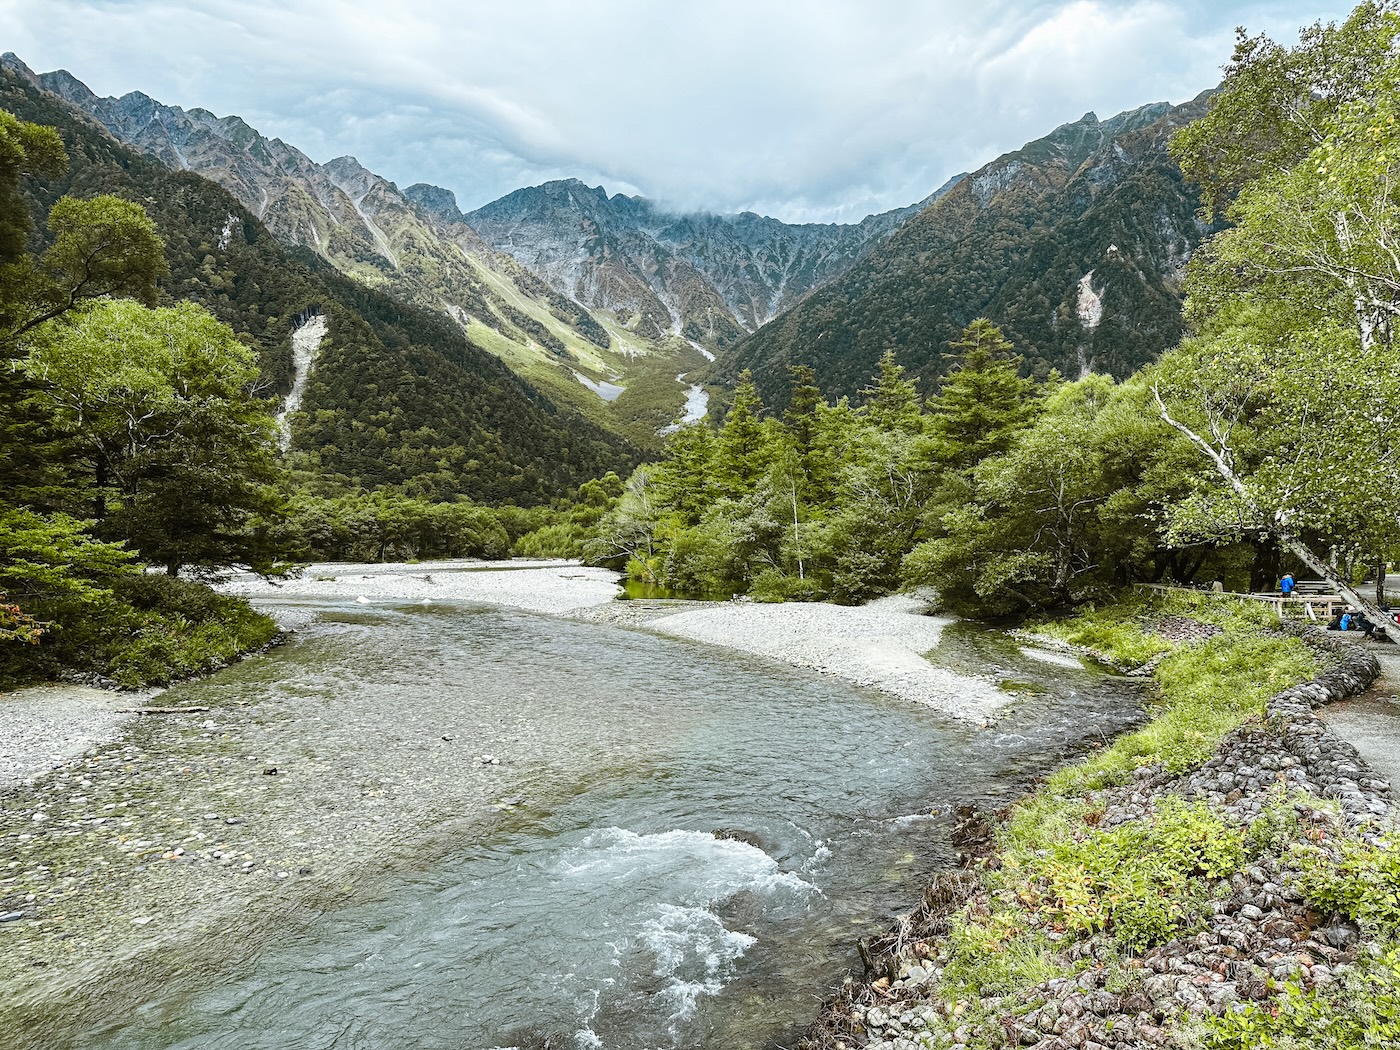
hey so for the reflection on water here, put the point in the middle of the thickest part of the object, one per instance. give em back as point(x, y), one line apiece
point(640, 589)
point(695, 839)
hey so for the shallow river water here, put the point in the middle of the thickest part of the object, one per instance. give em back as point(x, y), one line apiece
point(679, 846)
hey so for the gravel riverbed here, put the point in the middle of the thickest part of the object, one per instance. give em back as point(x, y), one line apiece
point(880, 645)
point(135, 848)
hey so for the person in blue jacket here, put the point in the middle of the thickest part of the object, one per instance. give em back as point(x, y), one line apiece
point(1286, 585)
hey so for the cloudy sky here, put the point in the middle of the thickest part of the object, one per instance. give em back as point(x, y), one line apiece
point(820, 110)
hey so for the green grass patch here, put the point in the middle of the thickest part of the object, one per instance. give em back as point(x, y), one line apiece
point(1360, 1011)
point(1124, 633)
point(1061, 877)
point(1204, 689)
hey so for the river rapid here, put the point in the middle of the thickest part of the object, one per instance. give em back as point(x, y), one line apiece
point(462, 826)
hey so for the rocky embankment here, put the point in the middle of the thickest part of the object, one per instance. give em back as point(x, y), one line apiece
point(1260, 934)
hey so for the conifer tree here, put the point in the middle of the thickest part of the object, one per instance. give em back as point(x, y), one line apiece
point(984, 402)
point(892, 403)
point(740, 454)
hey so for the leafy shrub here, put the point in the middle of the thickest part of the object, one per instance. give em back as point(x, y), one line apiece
point(1275, 828)
point(1361, 1011)
point(1132, 880)
point(1364, 883)
point(170, 595)
point(772, 585)
point(558, 540)
point(179, 629)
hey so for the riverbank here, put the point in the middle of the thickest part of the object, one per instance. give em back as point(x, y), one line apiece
point(48, 725)
point(881, 645)
point(1159, 894)
point(556, 588)
point(468, 779)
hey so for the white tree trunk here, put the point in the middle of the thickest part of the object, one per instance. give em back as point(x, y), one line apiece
point(1286, 539)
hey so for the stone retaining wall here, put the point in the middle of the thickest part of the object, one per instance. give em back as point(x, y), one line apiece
point(1261, 934)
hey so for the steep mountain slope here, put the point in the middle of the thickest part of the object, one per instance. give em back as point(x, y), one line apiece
point(1074, 244)
point(705, 277)
point(367, 229)
point(398, 396)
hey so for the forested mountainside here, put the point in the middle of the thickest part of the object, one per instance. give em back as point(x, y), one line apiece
point(710, 278)
point(368, 229)
point(399, 395)
point(1075, 245)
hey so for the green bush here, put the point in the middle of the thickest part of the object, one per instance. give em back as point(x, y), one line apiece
point(1360, 1011)
point(998, 954)
point(1364, 883)
point(1132, 881)
point(179, 629)
point(772, 585)
point(558, 540)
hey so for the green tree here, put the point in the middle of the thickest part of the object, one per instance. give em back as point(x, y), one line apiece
point(1291, 387)
point(161, 403)
point(25, 149)
point(892, 401)
point(742, 451)
point(984, 401)
point(101, 247)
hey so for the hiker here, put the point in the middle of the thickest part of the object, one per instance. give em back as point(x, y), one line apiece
point(1286, 585)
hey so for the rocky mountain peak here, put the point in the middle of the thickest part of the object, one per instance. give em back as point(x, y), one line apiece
point(435, 200)
point(12, 62)
point(352, 176)
point(1075, 244)
point(705, 277)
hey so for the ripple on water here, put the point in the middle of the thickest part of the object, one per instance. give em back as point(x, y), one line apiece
point(703, 838)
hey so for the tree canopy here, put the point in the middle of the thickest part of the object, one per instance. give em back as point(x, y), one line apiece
point(1290, 386)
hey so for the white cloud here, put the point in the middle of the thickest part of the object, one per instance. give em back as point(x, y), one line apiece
point(809, 110)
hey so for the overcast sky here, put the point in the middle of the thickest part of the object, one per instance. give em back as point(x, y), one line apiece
point(810, 110)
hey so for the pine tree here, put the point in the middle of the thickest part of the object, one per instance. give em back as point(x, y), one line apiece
point(892, 403)
point(984, 402)
point(741, 449)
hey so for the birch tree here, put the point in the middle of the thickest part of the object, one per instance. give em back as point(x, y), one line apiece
point(1290, 387)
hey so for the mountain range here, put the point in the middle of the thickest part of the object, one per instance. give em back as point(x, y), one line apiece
point(710, 278)
point(615, 308)
point(599, 300)
point(399, 395)
point(1075, 244)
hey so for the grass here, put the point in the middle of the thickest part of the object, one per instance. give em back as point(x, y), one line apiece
point(1204, 690)
point(1059, 877)
point(1067, 891)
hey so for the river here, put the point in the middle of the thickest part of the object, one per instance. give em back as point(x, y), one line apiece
point(488, 828)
